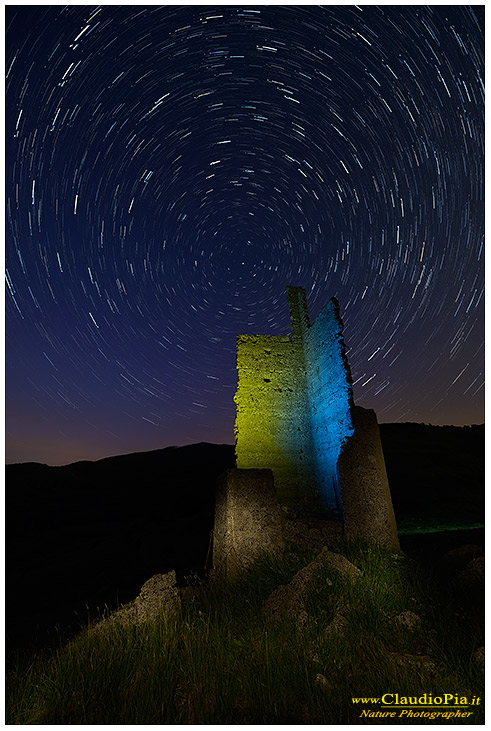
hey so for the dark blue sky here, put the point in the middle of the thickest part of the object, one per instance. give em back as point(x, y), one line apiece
point(170, 169)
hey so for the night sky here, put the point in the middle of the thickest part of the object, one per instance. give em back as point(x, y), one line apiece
point(170, 169)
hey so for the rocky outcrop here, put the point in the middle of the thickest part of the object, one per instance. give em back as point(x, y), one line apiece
point(159, 596)
point(339, 563)
point(288, 601)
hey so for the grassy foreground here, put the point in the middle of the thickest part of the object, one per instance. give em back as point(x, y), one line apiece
point(221, 662)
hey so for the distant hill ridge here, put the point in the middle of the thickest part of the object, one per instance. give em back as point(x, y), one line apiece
point(91, 533)
point(150, 454)
point(386, 429)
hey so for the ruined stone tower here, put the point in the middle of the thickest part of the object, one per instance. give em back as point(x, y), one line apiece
point(294, 400)
point(301, 443)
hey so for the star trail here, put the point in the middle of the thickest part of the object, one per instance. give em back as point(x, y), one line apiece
point(170, 169)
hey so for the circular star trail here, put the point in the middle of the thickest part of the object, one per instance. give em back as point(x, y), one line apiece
point(170, 169)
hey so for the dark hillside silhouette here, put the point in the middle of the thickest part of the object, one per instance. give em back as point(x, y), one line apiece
point(87, 535)
point(435, 471)
point(91, 533)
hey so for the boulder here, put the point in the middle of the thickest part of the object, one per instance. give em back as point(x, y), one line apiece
point(339, 563)
point(288, 600)
point(322, 681)
point(159, 596)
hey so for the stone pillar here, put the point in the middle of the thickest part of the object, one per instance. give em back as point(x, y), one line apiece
point(248, 520)
point(365, 493)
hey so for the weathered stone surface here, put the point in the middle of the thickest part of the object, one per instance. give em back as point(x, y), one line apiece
point(293, 398)
point(365, 493)
point(322, 681)
point(288, 600)
point(248, 520)
point(336, 627)
point(408, 620)
point(158, 596)
point(296, 416)
point(272, 427)
point(339, 563)
point(330, 398)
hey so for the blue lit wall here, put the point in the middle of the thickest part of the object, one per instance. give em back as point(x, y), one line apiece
point(330, 397)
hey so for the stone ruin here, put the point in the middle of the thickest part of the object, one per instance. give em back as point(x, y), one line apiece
point(301, 443)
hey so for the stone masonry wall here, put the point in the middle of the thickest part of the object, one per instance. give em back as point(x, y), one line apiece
point(365, 492)
point(248, 520)
point(272, 421)
point(295, 416)
point(330, 398)
point(273, 424)
point(293, 400)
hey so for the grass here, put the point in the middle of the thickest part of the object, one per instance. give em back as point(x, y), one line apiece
point(220, 661)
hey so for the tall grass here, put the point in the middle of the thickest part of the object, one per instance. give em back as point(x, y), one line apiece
point(219, 661)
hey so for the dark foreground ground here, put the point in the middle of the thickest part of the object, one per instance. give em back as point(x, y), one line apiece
point(87, 536)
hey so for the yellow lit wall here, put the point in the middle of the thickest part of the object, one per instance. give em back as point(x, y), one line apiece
point(293, 399)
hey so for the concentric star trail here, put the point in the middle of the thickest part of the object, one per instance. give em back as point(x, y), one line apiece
point(170, 169)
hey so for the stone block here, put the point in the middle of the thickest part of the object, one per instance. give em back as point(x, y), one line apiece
point(248, 520)
point(365, 493)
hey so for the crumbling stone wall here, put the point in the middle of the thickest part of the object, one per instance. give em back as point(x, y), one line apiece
point(248, 521)
point(296, 417)
point(272, 427)
point(330, 398)
point(365, 492)
point(293, 399)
